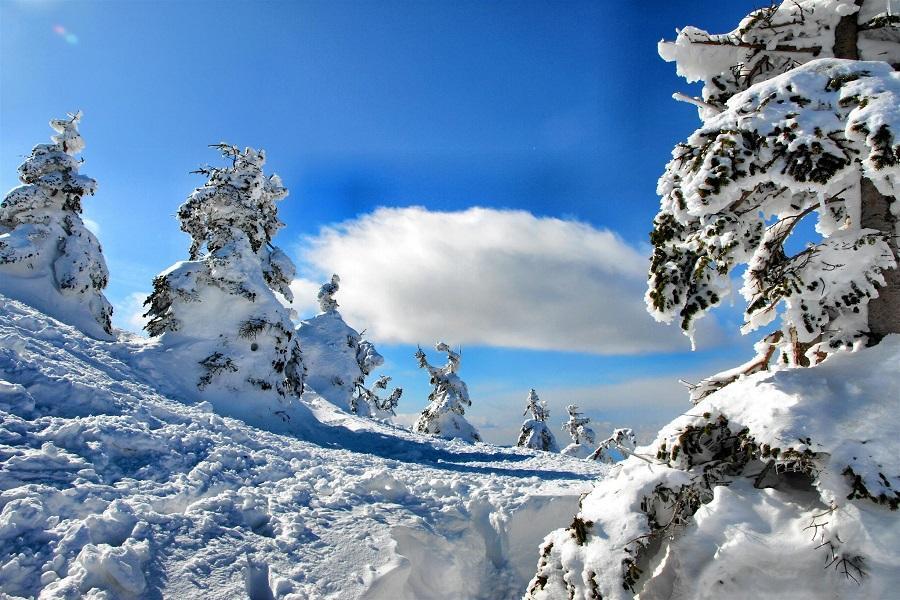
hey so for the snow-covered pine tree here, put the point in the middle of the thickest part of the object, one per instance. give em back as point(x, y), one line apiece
point(616, 447)
point(788, 136)
point(799, 123)
point(338, 359)
point(444, 415)
point(48, 258)
point(535, 433)
point(218, 311)
point(367, 402)
point(582, 435)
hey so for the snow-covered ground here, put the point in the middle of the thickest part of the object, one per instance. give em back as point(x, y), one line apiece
point(110, 488)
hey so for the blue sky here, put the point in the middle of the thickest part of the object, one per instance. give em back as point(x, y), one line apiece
point(560, 109)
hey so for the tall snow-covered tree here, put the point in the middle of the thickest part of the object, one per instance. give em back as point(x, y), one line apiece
point(799, 117)
point(535, 432)
point(582, 435)
point(339, 359)
point(48, 258)
point(444, 415)
point(799, 124)
point(218, 310)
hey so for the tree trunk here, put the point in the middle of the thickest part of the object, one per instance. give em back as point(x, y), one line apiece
point(875, 210)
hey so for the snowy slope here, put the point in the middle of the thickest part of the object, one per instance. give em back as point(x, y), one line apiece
point(780, 485)
point(108, 488)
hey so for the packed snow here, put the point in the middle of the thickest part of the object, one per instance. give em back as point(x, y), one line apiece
point(117, 483)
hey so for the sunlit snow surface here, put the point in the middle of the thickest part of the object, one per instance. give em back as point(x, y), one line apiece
point(111, 489)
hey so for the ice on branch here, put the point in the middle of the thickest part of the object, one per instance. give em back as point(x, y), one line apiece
point(444, 415)
point(535, 432)
point(48, 258)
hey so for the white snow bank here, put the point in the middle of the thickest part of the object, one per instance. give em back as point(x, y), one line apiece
point(108, 488)
point(751, 494)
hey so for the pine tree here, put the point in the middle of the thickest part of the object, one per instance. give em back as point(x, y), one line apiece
point(799, 121)
point(788, 136)
point(48, 258)
point(535, 433)
point(582, 436)
point(339, 359)
point(219, 309)
point(616, 447)
point(444, 415)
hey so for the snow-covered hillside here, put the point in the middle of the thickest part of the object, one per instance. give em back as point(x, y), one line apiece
point(111, 487)
point(780, 485)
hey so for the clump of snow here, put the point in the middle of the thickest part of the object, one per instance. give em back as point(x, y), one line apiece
point(111, 485)
point(763, 483)
point(48, 258)
point(444, 415)
point(535, 432)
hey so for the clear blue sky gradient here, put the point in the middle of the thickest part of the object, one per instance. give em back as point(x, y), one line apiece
point(560, 108)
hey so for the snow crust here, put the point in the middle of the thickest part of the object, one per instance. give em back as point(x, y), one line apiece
point(116, 483)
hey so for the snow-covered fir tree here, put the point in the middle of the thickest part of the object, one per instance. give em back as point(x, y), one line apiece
point(535, 432)
point(788, 136)
point(218, 311)
point(48, 258)
point(444, 415)
point(582, 435)
point(339, 359)
point(799, 121)
point(616, 447)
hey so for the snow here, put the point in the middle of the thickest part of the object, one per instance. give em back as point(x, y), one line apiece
point(115, 482)
point(739, 541)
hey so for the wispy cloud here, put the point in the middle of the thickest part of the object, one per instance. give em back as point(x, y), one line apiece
point(492, 277)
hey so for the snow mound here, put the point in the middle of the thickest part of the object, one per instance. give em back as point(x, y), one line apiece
point(110, 488)
point(762, 485)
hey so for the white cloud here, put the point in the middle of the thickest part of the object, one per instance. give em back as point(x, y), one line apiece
point(491, 277)
point(129, 313)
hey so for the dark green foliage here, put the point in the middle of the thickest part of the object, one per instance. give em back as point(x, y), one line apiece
point(214, 364)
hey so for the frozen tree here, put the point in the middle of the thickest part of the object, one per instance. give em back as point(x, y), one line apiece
point(339, 359)
point(616, 447)
point(789, 134)
point(368, 402)
point(219, 310)
point(582, 436)
point(327, 303)
point(799, 115)
point(48, 258)
point(444, 415)
point(535, 433)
